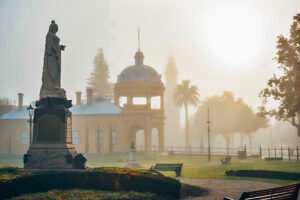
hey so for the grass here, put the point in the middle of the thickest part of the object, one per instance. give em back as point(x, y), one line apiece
point(79, 194)
point(193, 166)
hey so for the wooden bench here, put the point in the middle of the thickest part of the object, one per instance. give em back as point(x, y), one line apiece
point(226, 160)
point(176, 167)
point(289, 192)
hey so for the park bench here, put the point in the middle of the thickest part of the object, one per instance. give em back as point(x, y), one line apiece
point(176, 167)
point(226, 160)
point(288, 192)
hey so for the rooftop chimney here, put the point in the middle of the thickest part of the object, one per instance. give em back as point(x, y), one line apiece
point(78, 98)
point(20, 106)
point(89, 95)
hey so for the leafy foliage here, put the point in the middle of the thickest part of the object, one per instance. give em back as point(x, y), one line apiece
point(80, 161)
point(89, 194)
point(285, 87)
point(229, 116)
point(98, 80)
point(112, 179)
point(186, 95)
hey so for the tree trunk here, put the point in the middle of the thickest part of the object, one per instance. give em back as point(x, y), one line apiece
point(187, 134)
point(296, 125)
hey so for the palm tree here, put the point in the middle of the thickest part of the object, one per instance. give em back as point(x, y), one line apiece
point(185, 95)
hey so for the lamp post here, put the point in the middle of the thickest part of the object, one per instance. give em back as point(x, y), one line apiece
point(208, 133)
point(30, 110)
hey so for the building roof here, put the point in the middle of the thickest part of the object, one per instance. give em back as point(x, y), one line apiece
point(16, 114)
point(139, 71)
point(97, 108)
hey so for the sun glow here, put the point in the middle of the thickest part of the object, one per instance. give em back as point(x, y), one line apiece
point(234, 33)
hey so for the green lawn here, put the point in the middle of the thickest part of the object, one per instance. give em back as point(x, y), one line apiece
point(193, 166)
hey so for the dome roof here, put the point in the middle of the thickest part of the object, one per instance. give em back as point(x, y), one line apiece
point(139, 71)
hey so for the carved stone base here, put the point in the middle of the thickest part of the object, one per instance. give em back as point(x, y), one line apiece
point(132, 160)
point(50, 156)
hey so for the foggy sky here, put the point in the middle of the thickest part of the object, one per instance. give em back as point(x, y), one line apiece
point(167, 27)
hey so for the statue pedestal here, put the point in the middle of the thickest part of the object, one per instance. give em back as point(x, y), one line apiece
point(132, 160)
point(51, 147)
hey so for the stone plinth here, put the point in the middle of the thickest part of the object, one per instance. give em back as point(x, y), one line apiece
point(50, 156)
point(132, 160)
point(51, 147)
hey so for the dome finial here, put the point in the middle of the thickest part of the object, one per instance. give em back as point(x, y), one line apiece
point(139, 38)
point(139, 56)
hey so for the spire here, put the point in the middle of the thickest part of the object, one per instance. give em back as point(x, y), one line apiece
point(139, 56)
point(139, 41)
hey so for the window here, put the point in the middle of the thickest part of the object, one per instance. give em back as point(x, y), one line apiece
point(122, 101)
point(139, 100)
point(75, 137)
point(24, 137)
point(99, 137)
point(113, 137)
point(155, 102)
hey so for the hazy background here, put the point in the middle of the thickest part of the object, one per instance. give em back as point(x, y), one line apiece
point(196, 32)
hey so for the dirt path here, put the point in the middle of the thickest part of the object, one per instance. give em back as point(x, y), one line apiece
point(218, 189)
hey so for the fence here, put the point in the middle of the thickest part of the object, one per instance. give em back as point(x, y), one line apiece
point(286, 153)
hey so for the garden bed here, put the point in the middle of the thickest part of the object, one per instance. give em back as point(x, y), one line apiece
point(77, 194)
point(106, 179)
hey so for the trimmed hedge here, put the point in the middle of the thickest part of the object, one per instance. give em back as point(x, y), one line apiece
point(273, 158)
point(99, 179)
point(265, 174)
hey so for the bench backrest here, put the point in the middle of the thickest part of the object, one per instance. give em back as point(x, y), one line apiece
point(168, 166)
point(285, 192)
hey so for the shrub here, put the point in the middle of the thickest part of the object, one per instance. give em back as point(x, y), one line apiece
point(80, 161)
point(265, 174)
point(273, 158)
point(112, 179)
point(7, 169)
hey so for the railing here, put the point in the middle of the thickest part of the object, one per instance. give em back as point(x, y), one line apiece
point(287, 153)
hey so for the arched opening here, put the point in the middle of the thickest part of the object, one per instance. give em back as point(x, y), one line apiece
point(137, 136)
point(154, 139)
point(140, 140)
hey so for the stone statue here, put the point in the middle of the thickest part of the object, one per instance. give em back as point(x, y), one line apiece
point(52, 65)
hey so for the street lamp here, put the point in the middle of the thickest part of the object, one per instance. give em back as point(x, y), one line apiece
point(30, 110)
point(208, 133)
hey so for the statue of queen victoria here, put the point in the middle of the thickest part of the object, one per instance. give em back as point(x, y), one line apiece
point(52, 65)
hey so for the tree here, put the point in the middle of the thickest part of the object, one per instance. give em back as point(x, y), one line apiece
point(229, 116)
point(186, 95)
point(98, 80)
point(285, 87)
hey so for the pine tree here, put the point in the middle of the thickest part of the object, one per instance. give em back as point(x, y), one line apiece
point(98, 80)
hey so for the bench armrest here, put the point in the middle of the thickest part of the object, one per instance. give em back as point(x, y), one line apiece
point(227, 198)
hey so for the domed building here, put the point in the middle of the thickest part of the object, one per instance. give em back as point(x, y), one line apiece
point(140, 92)
point(100, 126)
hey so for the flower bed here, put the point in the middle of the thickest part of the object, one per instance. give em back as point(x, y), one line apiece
point(111, 179)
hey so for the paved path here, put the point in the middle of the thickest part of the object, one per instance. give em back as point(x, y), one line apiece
point(218, 189)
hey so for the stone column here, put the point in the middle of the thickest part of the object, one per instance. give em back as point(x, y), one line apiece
point(161, 138)
point(146, 141)
point(129, 100)
point(162, 103)
point(149, 101)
